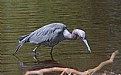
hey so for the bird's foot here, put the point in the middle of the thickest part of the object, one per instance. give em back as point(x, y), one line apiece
point(35, 57)
point(36, 53)
point(13, 54)
point(50, 53)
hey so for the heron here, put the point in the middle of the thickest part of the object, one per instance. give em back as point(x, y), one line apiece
point(50, 35)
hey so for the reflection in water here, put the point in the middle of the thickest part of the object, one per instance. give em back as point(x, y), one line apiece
point(36, 65)
point(39, 65)
point(37, 54)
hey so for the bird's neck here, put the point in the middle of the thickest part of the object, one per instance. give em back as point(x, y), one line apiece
point(74, 34)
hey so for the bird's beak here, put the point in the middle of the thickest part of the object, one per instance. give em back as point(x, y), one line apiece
point(86, 43)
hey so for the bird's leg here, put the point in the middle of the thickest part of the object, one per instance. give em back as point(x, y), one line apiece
point(35, 58)
point(34, 50)
point(51, 51)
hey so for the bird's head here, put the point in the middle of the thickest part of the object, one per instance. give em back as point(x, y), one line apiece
point(81, 34)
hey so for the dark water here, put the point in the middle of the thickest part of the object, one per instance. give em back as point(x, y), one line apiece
point(101, 19)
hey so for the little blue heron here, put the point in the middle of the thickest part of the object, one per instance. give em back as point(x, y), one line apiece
point(50, 35)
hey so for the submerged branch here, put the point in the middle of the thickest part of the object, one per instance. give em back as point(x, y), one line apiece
point(73, 71)
point(91, 71)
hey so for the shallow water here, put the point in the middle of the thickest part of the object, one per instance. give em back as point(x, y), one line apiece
point(99, 19)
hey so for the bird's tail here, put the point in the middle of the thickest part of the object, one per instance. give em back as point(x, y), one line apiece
point(22, 40)
point(22, 37)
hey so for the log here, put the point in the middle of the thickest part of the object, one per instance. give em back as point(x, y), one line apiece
point(73, 71)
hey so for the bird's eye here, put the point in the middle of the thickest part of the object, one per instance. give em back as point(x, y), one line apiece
point(83, 38)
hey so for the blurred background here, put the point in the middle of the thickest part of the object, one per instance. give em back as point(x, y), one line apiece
point(100, 19)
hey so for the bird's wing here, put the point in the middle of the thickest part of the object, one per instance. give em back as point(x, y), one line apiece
point(46, 33)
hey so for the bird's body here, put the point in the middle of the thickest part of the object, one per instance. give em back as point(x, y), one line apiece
point(50, 35)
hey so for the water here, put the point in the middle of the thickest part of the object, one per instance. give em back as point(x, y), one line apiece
point(100, 19)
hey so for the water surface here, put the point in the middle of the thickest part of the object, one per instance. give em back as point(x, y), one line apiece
point(100, 19)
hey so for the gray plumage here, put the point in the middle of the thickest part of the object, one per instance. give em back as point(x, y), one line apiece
point(50, 35)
